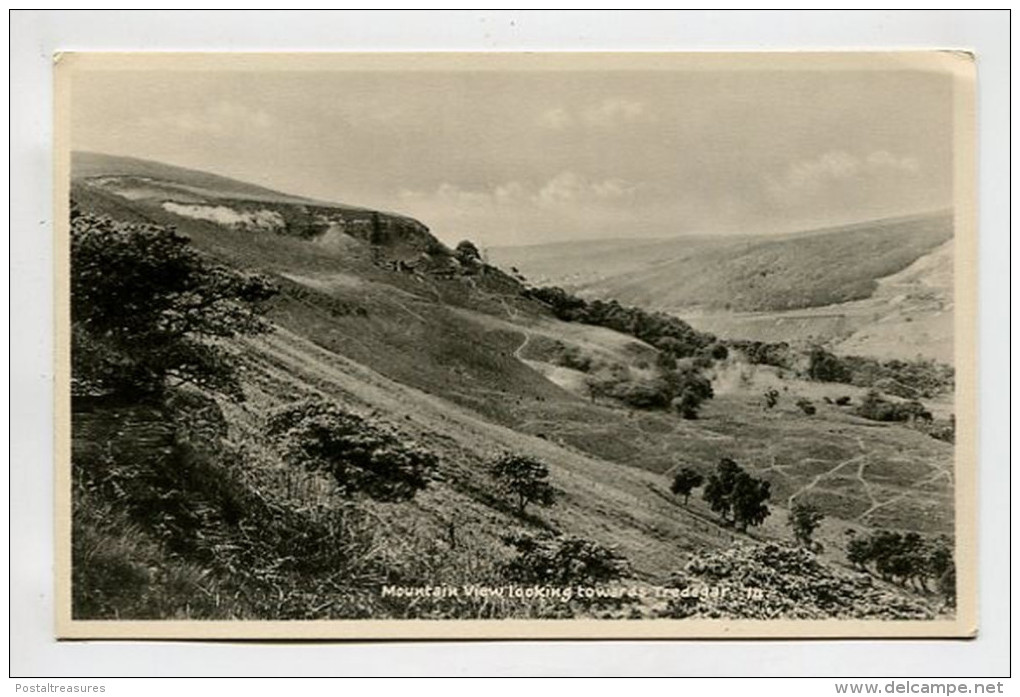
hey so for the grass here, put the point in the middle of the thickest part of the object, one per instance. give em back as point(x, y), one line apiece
point(805, 270)
point(449, 362)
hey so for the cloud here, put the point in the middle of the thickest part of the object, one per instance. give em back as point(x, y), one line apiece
point(569, 187)
point(565, 189)
point(220, 119)
point(522, 211)
point(838, 171)
point(614, 112)
point(555, 119)
point(609, 113)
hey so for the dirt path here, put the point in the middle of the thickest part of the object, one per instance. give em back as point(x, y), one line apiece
point(819, 477)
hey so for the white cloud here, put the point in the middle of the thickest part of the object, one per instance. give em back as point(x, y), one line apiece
point(569, 187)
point(613, 112)
point(556, 119)
point(608, 113)
point(565, 189)
point(516, 210)
point(838, 170)
point(221, 119)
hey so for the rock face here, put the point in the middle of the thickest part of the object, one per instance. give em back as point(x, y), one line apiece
point(775, 581)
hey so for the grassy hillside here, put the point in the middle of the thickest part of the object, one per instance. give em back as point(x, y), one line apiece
point(805, 270)
point(200, 511)
point(86, 165)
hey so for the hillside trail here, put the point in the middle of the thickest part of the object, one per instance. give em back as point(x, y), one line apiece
point(906, 492)
point(513, 313)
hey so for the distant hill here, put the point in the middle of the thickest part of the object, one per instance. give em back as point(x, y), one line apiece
point(88, 165)
point(377, 316)
point(803, 270)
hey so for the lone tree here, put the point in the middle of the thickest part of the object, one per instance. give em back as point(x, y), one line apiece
point(691, 389)
point(749, 501)
point(736, 496)
point(685, 481)
point(524, 479)
point(771, 398)
point(147, 309)
point(804, 518)
point(364, 458)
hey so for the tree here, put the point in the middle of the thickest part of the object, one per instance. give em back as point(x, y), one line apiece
point(719, 487)
point(826, 367)
point(147, 309)
point(467, 252)
point(771, 398)
point(524, 479)
point(730, 491)
point(685, 481)
point(690, 388)
point(749, 501)
point(804, 518)
point(363, 457)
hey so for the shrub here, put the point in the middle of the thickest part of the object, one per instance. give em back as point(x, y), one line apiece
point(906, 557)
point(771, 398)
point(146, 309)
point(573, 357)
point(826, 367)
point(806, 406)
point(562, 560)
point(804, 518)
point(364, 458)
point(691, 389)
point(876, 408)
point(778, 354)
point(685, 481)
point(664, 331)
point(524, 479)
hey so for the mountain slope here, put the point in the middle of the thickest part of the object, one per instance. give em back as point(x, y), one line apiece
point(804, 270)
point(378, 317)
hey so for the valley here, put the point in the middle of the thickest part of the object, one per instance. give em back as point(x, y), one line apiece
point(374, 315)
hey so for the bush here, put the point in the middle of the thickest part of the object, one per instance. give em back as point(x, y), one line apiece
point(685, 481)
point(806, 406)
point(778, 354)
point(875, 408)
point(562, 560)
point(906, 557)
point(730, 491)
point(804, 518)
point(146, 308)
point(573, 357)
point(187, 527)
point(665, 332)
point(691, 389)
point(364, 458)
point(524, 479)
point(825, 367)
point(771, 398)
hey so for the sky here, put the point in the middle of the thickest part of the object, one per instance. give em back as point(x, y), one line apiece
point(526, 157)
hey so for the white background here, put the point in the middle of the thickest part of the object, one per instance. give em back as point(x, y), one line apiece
point(36, 35)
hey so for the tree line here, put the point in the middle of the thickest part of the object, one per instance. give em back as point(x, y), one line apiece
point(665, 332)
point(906, 558)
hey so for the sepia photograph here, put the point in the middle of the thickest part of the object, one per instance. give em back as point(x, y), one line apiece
point(516, 345)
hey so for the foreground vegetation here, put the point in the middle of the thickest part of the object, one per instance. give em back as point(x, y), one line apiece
point(287, 445)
